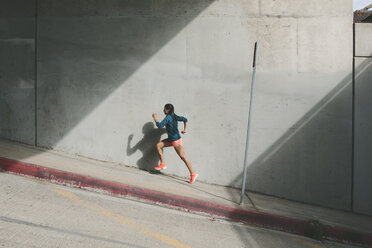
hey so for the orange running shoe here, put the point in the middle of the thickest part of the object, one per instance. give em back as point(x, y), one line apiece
point(161, 166)
point(193, 177)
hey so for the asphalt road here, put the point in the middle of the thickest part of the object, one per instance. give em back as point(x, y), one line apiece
point(39, 214)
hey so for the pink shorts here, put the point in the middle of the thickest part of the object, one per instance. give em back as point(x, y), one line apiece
point(177, 143)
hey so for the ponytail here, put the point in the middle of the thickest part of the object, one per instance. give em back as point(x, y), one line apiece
point(170, 108)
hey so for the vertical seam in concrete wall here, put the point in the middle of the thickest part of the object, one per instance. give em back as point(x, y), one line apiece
point(297, 45)
point(353, 125)
point(35, 88)
point(353, 40)
point(186, 49)
point(259, 7)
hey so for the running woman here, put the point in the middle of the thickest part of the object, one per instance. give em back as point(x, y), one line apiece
point(174, 138)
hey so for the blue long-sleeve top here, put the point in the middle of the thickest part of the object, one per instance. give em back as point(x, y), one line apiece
point(171, 125)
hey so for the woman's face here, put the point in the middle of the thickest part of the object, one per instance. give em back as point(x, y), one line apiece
point(166, 111)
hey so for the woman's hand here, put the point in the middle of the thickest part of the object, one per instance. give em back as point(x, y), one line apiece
point(184, 128)
point(154, 117)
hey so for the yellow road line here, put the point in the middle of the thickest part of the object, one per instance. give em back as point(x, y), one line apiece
point(124, 221)
point(37, 181)
point(306, 243)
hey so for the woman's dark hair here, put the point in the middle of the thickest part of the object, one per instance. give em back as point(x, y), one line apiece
point(170, 108)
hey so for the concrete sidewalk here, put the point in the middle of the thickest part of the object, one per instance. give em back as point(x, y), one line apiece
point(174, 192)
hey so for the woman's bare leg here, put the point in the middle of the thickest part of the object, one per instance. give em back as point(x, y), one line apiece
point(159, 148)
point(181, 152)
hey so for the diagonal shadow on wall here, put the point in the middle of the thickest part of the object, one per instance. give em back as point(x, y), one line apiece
point(291, 169)
point(84, 56)
point(85, 50)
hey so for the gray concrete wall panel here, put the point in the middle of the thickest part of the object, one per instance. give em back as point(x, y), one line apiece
point(18, 8)
point(159, 63)
point(17, 71)
point(363, 38)
point(137, 8)
point(315, 36)
point(294, 8)
point(363, 136)
point(277, 39)
point(301, 138)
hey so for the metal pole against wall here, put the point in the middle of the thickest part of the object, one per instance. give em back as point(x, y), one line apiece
point(249, 126)
point(35, 61)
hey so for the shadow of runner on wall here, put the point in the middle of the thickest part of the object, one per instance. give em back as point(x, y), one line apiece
point(151, 136)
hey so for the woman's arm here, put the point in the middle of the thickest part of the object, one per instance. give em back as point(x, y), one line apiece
point(184, 127)
point(184, 120)
point(160, 124)
point(154, 117)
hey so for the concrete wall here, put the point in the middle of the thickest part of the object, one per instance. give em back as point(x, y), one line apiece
point(363, 120)
point(301, 138)
point(101, 78)
point(363, 36)
point(17, 70)
point(104, 68)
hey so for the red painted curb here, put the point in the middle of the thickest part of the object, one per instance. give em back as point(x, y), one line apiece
point(295, 226)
